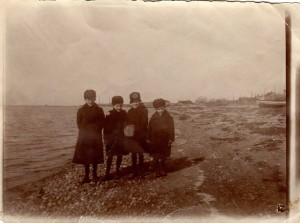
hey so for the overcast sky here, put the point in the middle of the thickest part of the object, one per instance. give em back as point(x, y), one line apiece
point(55, 51)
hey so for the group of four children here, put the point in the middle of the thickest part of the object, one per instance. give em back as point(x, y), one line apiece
point(124, 133)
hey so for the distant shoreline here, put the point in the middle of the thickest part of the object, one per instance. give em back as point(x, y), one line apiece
point(149, 106)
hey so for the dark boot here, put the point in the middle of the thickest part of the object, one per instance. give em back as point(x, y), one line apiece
point(86, 178)
point(163, 171)
point(134, 165)
point(95, 177)
point(119, 161)
point(141, 172)
point(108, 167)
point(156, 166)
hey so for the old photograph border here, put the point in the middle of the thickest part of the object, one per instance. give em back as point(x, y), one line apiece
point(292, 147)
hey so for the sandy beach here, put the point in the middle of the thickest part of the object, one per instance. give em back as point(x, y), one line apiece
point(226, 160)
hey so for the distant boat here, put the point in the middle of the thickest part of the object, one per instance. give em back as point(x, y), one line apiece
point(271, 104)
point(272, 100)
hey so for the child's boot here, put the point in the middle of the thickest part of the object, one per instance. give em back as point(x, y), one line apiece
point(119, 161)
point(95, 177)
point(108, 166)
point(163, 168)
point(163, 172)
point(134, 165)
point(86, 178)
point(157, 173)
point(134, 173)
point(118, 175)
point(141, 171)
point(156, 167)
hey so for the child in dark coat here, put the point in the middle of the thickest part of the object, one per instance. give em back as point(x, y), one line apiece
point(137, 116)
point(89, 146)
point(160, 136)
point(114, 135)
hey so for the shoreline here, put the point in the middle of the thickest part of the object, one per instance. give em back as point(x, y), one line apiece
point(225, 161)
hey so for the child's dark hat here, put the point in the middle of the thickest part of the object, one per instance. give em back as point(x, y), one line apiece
point(89, 94)
point(117, 100)
point(135, 97)
point(157, 103)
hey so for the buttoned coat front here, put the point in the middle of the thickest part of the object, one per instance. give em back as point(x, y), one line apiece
point(160, 132)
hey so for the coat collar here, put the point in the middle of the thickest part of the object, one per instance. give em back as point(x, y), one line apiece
point(93, 106)
point(165, 113)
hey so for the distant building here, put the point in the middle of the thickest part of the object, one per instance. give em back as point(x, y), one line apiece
point(168, 103)
point(272, 96)
point(218, 102)
point(186, 102)
point(246, 100)
point(201, 100)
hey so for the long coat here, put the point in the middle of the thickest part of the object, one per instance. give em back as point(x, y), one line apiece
point(89, 146)
point(139, 118)
point(160, 131)
point(113, 132)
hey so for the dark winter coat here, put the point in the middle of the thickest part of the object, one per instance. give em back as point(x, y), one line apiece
point(113, 132)
point(89, 146)
point(139, 118)
point(160, 131)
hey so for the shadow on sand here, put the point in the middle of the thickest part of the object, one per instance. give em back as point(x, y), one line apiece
point(172, 165)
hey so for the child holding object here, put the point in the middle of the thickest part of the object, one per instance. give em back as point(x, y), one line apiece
point(135, 131)
point(114, 135)
point(160, 136)
point(89, 146)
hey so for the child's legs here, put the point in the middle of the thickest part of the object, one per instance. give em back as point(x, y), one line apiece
point(141, 160)
point(119, 161)
point(163, 166)
point(108, 164)
point(155, 163)
point(86, 170)
point(134, 161)
point(86, 178)
point(95, 165)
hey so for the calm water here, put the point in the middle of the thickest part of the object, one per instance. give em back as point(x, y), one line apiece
point(37, 142)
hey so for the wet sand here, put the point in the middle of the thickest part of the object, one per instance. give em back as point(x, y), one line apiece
point(225, 161)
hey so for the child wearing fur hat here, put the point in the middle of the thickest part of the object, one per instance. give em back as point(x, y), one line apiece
point(160, 136)
point(89, 146)
point(137, 116)
point(114, 135)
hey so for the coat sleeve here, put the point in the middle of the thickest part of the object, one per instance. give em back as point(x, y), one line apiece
point(107, 130)
point(149, 130)
point(107, 126)
point(144, 124)
point(171, 129)
point(79, 118)
point(101, 119)
point(126, 119)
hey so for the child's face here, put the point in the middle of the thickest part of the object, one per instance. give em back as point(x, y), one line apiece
point(118, 107)
point(90, 101)
point(160, 110)
point(135, 104)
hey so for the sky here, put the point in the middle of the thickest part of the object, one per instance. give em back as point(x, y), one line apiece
point(176, 51)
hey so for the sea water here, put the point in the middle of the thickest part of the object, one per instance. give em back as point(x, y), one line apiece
point(38, 141)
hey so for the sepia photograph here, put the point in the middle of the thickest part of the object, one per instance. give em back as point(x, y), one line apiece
point(141, 111)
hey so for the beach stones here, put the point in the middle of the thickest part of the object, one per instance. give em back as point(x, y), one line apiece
point(179, 142)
